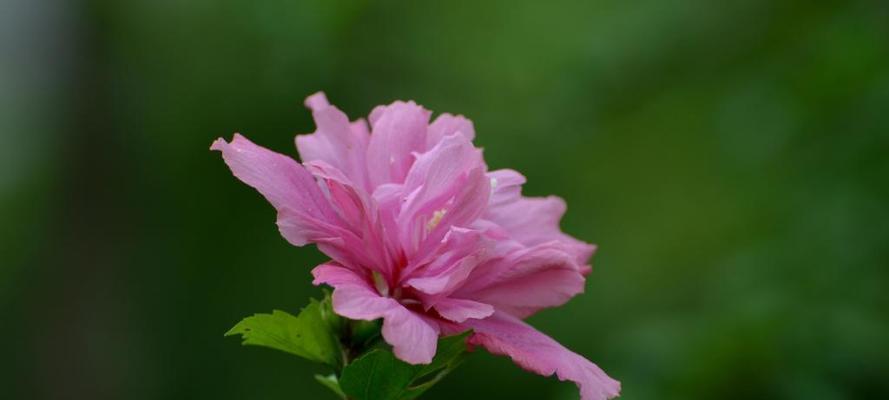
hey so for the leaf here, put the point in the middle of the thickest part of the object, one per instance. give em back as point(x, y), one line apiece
point(450, 352)
point(378, 375)
point(333, 320)
point(307, 335)
point(364, 332)
point(331, 383)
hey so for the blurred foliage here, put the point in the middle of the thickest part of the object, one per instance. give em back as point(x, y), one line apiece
point(729, 158)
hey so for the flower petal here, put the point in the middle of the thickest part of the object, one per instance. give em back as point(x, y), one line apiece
point(353, 296)
point(361, 212)
point(530, 220)
point(447, 267)
point(446, 125)
point(434, 173)
point(526, 280)
point(413, 338)
point(285, 184)
point(398, 131)
point(532, 350)
point(336, 141)
point(352, 203)
point(447, 187)
point(447, 280)
point(459, 310)
point(506, 186)
point(456, 244)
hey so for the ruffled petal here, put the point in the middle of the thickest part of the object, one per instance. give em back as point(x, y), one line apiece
point(361, 213)
point(413, 338)
point(445, 281)
point(398, 131)
point(336, 141)
point(352, 203)
point(506, 185)
point(353, 296)
point(532, 350)
point(389, 198)
point(457, 244)
point(446, 187)
point(459, 310)
point(446, 125)
point(434, 173)
point(285, 184)
point(530, 220)
point(526, 280)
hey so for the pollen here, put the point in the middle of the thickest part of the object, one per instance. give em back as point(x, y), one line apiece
point(436, 219)
point(380, 283)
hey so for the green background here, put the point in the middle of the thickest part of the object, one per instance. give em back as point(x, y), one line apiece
point(729, 158)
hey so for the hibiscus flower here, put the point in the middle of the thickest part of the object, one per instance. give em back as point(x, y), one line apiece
point(421, 235)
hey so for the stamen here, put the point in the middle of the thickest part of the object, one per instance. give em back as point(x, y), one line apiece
point(380, 284)
point(436, 219)
point(409, 302)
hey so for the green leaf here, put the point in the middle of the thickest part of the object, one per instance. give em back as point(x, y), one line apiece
point(333, 320)
point(378, 375)
point(364, 333)
point(307, 335)
point(331, 383)
point(449, 354)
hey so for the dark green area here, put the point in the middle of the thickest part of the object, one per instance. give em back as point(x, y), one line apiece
point(730, 159)
point(378, 375)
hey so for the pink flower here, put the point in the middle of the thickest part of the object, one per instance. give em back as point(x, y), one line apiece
point(422, 235)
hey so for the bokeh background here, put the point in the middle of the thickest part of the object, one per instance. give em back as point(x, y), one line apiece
point(729, 158)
